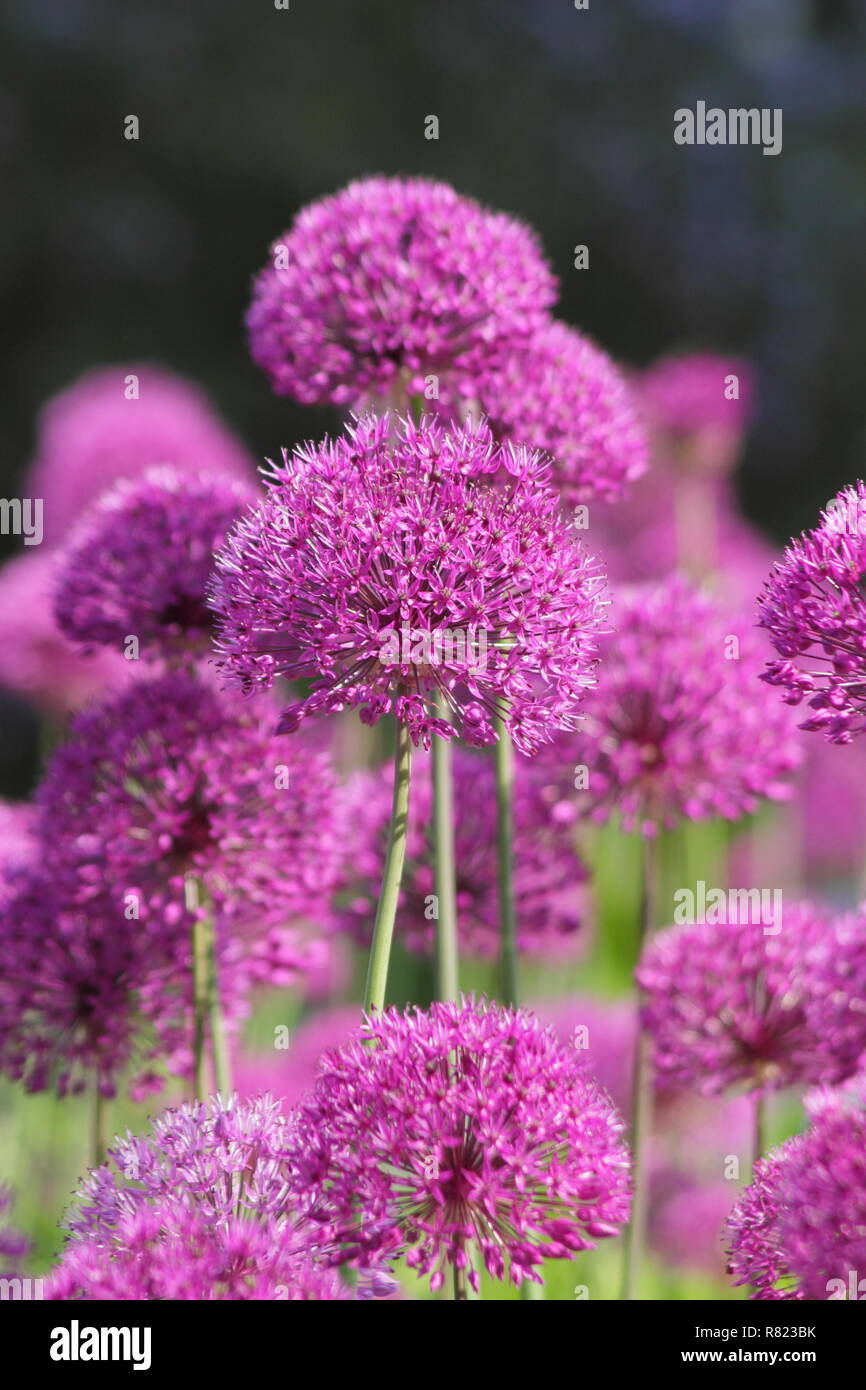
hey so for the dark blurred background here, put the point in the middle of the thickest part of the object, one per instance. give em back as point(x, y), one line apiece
point(113, 249)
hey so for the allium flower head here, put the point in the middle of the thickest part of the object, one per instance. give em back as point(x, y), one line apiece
point(139, 562)
point(679, 726)
point(814, 608)
point(468, 1126)
point(737, 1003)
point(694, 392)
point(387, 282)
point(550, 881)
point(197, 1210)
point(14, 1245)
point(799, 1231)
point(562, 394)
point(386, 569)
point(36, 660)
point(99, 430)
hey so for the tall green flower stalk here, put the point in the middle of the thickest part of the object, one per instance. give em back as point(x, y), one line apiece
point(207, 1008)
point(444, 870)
point(386, 911)
point(505, 863)
point(642, 1094)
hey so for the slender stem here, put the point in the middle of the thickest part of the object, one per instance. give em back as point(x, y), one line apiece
point(221, 1062)
point(504, 839)
point(758, 1127)
point(383, 930)
point(444, 873)
point(460, 1289)
point(99, 1139)
point(201, 972)
point(642, 1096)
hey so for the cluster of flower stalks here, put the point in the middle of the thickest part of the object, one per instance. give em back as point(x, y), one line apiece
point(431, 712)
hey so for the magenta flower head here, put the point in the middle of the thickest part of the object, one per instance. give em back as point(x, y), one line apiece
point(550, 881)
point(196, 1210)
point(738, 1003)
point(562, 394)
point(116, 422)
point(385, 569)
point(36, 660)
point(173, 780)
point(679, 726)
point(390, 282)
point(799, 1231)
point(698, 406)
point(813, 607)
point(137, 566)
point(464, 1128)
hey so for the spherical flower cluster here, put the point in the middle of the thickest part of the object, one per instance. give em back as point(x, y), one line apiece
point(389, 569)
point(679, 726)
point(287, 1073)
point(116, 422)
point(139, 563)
point(697, 391)
point(173, 780)
point(799, 1231)
point(198, 1210)
point(814, 608)
point(36, 660)
point(743, 1003)
point(550, 881)
point(563, 394)
point(468, 1126)
point(391, 281)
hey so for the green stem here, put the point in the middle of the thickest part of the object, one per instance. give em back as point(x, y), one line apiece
point(99, 1143)
point(444, 873)
point(383, 930)
point(642, 1097)
point(504, 839)
point(758, 1128)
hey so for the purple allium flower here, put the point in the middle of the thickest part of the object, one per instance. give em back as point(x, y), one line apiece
point(391, 280)
point(692, 395)
point(732, 1003)
point(687, 1222)
point(814, 609)
point(603, 1033)
point(386, 569)
point(563, 394)
point(550, 881)
point(14, 1245)
point(755, 1255)
point(679, 726)
point(468, 1126)
point(36, 659)
point(198, 1210)
point(173, 779)
point(139, 562)
point(93, 433)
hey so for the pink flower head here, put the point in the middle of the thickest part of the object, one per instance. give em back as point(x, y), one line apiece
point(288, 1072)
point(550, 881)
point(388, 282)
point(799, 1231)
point(386, 569)
point(678, 726)
point(114, 423)
point(697, 394)
point(732, 1003)
point(138, 564)
point(814, 609)
point(197, 1210)
point(36, 660)
point(466, 1126)
point(562, 394)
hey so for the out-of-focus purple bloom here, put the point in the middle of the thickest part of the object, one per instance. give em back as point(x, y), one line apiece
point(288, 1073)
point(730, 1004)
point(550, 881)
point(468, 1126)
point(698, 405)
point(97, 431)
point(14, 1245)
point(386, 568)
point(198, 1210)
point(139, 562)
point(678, 726)
point(814, 608)
point(563, 394)
point(391, 281)
point(36, 659)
